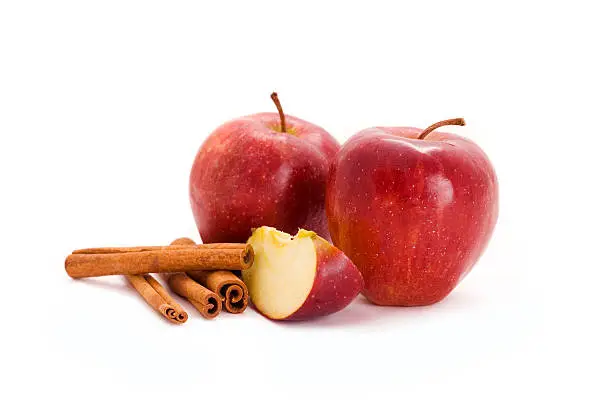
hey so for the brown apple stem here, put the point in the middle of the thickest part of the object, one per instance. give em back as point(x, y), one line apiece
point(450, 122)
point(274, 97)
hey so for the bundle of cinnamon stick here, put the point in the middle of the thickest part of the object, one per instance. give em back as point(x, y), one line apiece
point(200, 273)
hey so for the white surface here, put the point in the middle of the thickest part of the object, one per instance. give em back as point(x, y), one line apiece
point(103, 107)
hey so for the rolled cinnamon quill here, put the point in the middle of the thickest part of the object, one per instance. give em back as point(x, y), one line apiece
point(109, 250)
point(158, 298)
point(225, 284)
point(204, 300)
point(232, 291)
point(157, 259)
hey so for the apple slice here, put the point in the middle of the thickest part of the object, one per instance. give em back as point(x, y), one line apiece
point(299, 277)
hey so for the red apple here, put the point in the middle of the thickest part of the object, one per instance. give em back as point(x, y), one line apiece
point(412, 209)
point(263, 169)
point(300, 277)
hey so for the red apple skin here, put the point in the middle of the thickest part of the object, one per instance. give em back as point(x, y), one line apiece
point(413, 215)
point(337, 282)
point(247, 174)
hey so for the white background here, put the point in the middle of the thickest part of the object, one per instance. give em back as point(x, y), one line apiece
point(103, 106)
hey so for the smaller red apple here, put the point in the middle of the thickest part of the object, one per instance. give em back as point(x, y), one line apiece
point(299, 277)
point(263, 169)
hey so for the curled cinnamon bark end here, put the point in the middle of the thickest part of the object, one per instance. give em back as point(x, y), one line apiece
point(178, 313)
point(227, 286)
point(236, 299)
point(172, 315)
point(229, 289)
point(248, 256)
point(210, 309)
point(181, 316)
point(204, 300)
point(154, 294)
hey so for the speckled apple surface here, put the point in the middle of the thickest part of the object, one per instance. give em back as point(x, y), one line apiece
point(248, 174)
point(300, 277)
point(413, 215)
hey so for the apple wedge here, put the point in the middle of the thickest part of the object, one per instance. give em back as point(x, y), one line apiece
point(299, 277)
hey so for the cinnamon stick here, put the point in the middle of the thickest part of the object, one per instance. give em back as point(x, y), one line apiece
point(232, 290)
point(181, 315)
point(107, 250)
point(155, 295)
point(158, 260)
point(204, 300)
point(225, 284)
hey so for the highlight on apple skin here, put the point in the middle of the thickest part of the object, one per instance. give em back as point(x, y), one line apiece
point(413, 209)
point(299, 277)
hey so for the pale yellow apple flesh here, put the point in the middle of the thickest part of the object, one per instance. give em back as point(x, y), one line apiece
point(283, 273)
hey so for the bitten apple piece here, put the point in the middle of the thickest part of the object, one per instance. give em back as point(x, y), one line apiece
point(299, 277)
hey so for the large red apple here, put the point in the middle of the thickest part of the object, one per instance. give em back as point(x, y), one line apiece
point(413, 209)
point(264, 169)
point(299, 277)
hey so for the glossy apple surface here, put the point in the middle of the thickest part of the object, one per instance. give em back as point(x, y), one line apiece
point(413, 215)
point(248, 173)
point(299, 277)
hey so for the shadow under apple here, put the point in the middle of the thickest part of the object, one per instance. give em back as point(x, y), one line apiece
point(363, 313)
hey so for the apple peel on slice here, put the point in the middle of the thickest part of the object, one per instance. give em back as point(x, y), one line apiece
point(299, 277)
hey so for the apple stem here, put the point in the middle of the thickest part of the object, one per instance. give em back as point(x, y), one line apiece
point(450, 122)
point(274, 97)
